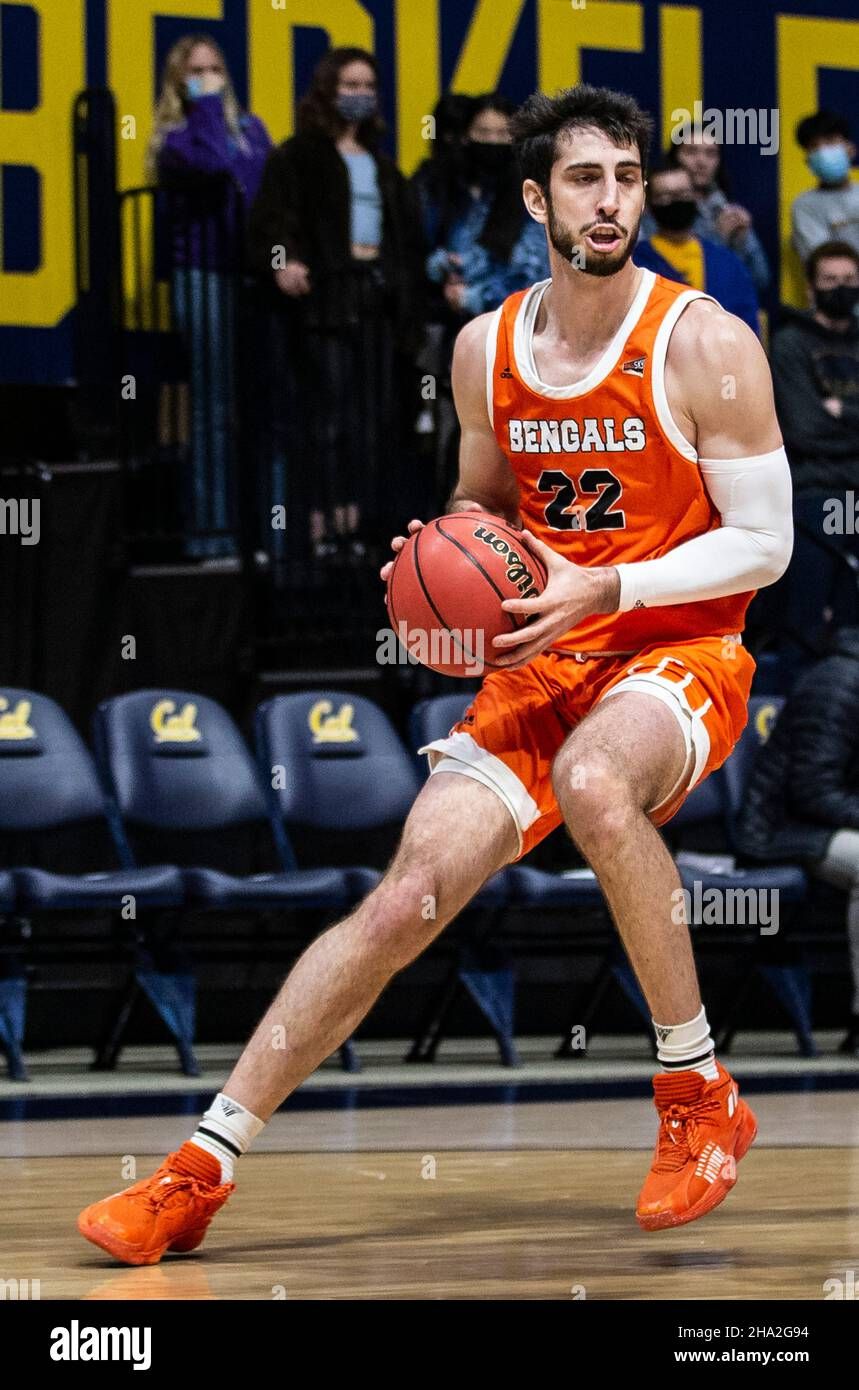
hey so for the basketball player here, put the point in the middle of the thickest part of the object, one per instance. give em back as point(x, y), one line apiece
point(628, 422)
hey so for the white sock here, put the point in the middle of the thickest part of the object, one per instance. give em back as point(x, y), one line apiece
point(687, 1046)
point(226, 1131)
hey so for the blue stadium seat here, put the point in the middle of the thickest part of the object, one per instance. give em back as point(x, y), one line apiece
point(179, 769)
point(344, 766)
point(49, 785)
point(38, 890)
point(334, 762)
point(176, 763)
point(48, 780)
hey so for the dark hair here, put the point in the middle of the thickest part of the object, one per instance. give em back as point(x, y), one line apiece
point(826, 251)
point(818, 126)
point(453, 115)
point(673, 161)
point(317, 111)
point(489, 101)
point(539, 121)
point(663, 165)
point(444, 177)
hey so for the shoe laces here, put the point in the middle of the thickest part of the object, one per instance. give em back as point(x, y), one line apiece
point(164, 1184)
point(682, 1131)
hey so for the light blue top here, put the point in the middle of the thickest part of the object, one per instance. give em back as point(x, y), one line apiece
point(366, 201)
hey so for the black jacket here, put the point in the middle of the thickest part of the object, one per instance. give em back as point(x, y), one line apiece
point(303, 205)
point(809, 363)
point(805, 782)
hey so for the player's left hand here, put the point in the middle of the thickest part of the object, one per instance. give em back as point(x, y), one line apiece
point(572, 593)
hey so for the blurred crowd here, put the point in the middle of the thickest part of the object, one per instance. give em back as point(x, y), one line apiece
point(364, 277)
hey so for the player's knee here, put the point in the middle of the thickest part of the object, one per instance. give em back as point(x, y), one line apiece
point(403, 914)
point(594, 797)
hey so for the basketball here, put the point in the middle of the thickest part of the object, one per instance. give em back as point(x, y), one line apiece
point(446, 589)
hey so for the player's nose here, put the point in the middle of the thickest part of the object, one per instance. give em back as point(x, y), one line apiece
point(609, 202)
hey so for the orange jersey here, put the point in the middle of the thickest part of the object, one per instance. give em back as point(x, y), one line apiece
point(605, 475)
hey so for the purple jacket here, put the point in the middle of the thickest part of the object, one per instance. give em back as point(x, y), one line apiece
point(208, 182)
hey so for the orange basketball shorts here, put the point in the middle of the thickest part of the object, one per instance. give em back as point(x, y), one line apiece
point(518, 721)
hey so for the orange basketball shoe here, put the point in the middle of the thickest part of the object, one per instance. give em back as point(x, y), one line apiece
point(169, 1211)
point(704, 1128)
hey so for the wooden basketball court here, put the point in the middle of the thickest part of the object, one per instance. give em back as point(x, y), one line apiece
point(481, 1195)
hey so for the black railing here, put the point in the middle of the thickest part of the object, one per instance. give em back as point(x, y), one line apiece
point(181, 282)
point(229, 426)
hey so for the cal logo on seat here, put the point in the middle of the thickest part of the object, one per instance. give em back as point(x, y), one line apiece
point(15, 724)
point(328, 727)
point(764, 720)
point(169, 727)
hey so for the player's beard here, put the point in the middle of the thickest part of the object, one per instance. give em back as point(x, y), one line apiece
point(566, 245)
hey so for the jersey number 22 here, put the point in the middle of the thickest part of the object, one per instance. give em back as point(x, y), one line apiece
point(568, 512)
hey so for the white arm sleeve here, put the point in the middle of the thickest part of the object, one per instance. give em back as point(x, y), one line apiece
point(748, 551)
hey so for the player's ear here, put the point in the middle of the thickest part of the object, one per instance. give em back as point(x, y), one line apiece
point(535, 200)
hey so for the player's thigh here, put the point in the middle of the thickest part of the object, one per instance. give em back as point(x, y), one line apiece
point(457, 834)
point(628, 749)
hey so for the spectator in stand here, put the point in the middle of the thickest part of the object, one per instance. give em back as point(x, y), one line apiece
point(815, 368)
point(441, 176)
point(484, 246)
point(335, 233)
point(802, 801)
point(207, 154)
point(829, 212)
point(719, 219)
point(438, 179)
point(676, 252)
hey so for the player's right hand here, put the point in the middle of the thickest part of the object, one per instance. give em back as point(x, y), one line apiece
point(396, 545)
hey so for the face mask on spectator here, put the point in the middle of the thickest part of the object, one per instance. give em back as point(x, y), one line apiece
point(485, 161)
point(356, 106)
point(676, 216)
point(831, 163)
point(837, 303)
